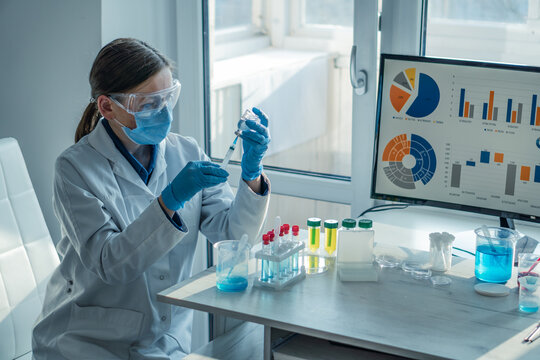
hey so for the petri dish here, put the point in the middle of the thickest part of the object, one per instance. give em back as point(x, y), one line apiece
point(315, 265)
point(441, 280)
point(387, 261)
point(421, 273)
point(416, 269)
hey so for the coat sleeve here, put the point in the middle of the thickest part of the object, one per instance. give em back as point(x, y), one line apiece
point(115, 256)
point(226, 217)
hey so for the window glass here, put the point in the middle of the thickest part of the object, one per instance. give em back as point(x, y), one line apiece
point(492, 30)
point(301, 83)
point(232, 13)
point(329, 12)
point(507, 11)
point(295, 211)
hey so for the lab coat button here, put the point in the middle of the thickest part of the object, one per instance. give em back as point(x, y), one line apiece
point(70, 282)
point(69, 290)
point(161, 277)
point(163, 318)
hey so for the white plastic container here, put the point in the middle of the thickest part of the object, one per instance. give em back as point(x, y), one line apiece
point(355, 251)
point(355, 245)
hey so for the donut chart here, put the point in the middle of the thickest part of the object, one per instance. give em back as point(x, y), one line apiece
point(407, 162)
point(416, 85)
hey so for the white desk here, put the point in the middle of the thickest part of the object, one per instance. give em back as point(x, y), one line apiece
point(397, 315)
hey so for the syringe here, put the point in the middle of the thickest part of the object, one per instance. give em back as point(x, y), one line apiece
point(248, 115)
point(229, 153)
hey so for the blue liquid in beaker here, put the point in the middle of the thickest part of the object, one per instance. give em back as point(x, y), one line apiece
point(231, 283)
point(493, 263)
point(528, 306)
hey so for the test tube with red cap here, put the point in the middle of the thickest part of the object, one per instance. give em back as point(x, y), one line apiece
point(286, 228)
point(294, 239)
point(283, 265)
point(266, 272)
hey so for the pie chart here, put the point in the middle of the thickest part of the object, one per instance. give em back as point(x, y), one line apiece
point(420, 88)
point(409, 160)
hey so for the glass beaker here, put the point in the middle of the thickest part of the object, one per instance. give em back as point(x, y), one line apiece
point(494, 253)
point(529, 295)
point(232, 265)
point(528, 264)
point(440, 251)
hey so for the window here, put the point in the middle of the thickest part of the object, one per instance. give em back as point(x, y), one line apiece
point(329, 12)
point(301, 80)
point(294, 63)
point(232, 14)
point(493, 30)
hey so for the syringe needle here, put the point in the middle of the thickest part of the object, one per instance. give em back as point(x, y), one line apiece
point(229, 153)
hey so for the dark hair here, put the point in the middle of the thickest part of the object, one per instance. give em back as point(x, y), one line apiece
point(120, 65)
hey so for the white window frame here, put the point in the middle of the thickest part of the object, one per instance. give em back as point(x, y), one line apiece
point(314, 37)
point(357, 191)
point(299, 27)
point(240, 40)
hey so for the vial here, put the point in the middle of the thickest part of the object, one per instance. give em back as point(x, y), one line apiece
point(247, 115)
point(295, 231)
point(365, 247)
point(266, 272)
point(314, 233)
point(330, 233)
point(347, 238)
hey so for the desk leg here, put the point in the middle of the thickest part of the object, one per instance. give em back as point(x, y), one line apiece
point(267, 343)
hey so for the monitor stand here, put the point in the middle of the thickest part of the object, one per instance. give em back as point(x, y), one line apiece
point(507, 223)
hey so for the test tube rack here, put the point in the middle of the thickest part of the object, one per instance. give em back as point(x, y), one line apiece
point(278, 263)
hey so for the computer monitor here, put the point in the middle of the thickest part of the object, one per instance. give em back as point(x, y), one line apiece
point(458, 134)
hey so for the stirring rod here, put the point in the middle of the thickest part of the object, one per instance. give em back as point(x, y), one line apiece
point(243, 242)
point(488, 237)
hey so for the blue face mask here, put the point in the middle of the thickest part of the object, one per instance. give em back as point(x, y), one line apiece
point(152, 126)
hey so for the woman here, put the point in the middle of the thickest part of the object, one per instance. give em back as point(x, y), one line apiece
point(131, 198)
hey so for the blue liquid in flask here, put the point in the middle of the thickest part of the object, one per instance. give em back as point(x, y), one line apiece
point(493, 263)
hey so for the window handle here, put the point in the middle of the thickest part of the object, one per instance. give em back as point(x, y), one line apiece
point(358, 77)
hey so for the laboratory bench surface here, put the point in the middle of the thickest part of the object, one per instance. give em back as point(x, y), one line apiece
point(396, 315)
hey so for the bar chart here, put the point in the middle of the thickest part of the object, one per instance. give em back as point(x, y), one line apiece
point(515, 112)
point(459, 134)
point(513, 171)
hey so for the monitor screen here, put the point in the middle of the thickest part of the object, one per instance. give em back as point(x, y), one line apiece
point(459, 134)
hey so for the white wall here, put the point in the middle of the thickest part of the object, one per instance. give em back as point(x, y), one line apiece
point(152, 21)
point(47, 51)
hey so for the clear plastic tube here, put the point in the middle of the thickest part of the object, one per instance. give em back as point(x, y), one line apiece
point(229, 153)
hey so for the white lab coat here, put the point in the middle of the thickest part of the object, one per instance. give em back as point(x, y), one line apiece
point(119, 249)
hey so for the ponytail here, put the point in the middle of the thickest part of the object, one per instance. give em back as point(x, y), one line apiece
point(119, 66)
point(88, 121)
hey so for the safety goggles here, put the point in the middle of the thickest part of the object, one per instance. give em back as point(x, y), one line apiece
point(148, 102)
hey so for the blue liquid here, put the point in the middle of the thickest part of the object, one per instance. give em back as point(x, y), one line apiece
point(493, 266)
point(528, 307)
point(232, 283)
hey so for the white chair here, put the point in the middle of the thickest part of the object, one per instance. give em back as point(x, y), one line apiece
point(27, 254)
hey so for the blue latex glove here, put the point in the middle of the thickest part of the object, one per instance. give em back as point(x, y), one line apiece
point(194, 177)
point(255, 143)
